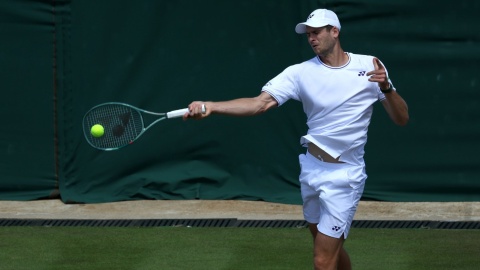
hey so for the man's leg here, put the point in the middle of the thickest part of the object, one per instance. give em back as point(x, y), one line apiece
point(329, 252)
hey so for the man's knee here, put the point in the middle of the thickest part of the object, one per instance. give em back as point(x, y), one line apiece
point(327, 251)
point(324, 263)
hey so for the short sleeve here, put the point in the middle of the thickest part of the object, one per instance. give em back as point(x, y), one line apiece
point(284, 86)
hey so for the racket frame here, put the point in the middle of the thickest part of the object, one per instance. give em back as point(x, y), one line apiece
point(162, 116)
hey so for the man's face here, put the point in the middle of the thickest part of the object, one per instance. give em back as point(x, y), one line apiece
point(321, 39)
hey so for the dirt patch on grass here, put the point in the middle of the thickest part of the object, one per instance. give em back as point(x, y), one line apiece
point(194, 209)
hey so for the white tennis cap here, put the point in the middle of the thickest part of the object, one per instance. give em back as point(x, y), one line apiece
point(318, 18)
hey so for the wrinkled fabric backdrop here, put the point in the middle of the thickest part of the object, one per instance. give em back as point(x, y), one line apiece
point(59, 58)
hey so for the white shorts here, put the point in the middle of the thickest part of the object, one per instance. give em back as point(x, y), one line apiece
point(330, 193)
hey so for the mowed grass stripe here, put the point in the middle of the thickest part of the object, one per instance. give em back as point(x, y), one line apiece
point(228, 248)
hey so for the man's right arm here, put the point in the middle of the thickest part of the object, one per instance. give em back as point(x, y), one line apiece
point(234, 107)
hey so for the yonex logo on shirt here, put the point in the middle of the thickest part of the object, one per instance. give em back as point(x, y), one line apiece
point(361, 73)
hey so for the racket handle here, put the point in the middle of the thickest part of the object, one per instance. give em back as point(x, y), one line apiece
point(177, 113)
point(181, 112)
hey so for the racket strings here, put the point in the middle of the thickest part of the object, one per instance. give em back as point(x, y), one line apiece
point(122, 125)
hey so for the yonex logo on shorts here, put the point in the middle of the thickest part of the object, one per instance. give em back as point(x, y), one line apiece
point(335, 228)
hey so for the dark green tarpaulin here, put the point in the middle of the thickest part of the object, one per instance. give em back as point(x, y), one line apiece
point(27, 161)
point(59, 58)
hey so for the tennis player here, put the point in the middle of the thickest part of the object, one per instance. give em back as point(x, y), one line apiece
point(337, 90)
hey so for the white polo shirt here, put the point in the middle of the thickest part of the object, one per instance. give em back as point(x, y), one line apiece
point(338, 102)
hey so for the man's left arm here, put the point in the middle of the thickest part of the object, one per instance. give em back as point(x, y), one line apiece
point(396, 108)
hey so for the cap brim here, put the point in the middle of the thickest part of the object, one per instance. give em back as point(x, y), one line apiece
point(301, 28)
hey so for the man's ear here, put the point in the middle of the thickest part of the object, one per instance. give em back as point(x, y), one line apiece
point(335, 32)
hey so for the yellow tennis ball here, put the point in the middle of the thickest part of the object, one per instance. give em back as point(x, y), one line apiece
point(97, 131)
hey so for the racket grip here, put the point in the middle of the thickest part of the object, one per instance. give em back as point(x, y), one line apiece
point(177, 113)
point(181, 112)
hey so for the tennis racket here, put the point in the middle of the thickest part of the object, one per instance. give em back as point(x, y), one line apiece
point(113, 125)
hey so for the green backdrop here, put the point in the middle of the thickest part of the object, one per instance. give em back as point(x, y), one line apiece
point(59, 58)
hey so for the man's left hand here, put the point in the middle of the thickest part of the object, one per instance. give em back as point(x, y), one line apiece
point(379, 75)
